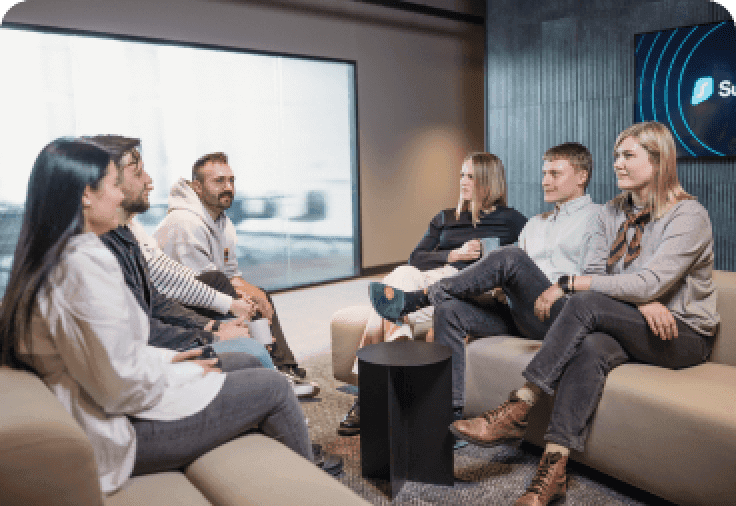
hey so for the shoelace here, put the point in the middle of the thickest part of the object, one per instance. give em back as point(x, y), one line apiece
point(493, 414)
point(540, 478)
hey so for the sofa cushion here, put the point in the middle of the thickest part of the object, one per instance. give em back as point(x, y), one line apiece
point(672, 432)
point(724, 348)
point(257, 470)
point(38, 435)
point(161, 489)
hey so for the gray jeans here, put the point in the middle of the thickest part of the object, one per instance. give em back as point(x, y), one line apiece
point(591, 335)
point(252, 398)
point(460, 312)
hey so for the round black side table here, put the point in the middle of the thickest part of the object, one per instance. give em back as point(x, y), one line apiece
point(405, 410)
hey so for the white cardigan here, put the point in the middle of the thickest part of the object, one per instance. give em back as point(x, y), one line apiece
point(89, 345)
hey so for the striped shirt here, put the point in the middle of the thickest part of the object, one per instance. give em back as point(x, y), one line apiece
point(175, 280)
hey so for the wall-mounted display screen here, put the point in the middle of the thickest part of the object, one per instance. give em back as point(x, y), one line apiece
point(287, 123)
point(686, 79)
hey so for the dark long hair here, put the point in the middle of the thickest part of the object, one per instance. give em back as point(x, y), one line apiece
point(53, 214)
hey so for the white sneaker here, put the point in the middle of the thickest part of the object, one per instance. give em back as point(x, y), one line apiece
point(303, 389)
point(403, 331)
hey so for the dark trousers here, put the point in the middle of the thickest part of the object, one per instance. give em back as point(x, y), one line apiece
point(460, 312)
point(592, 334)
point(280, 352)
point(252, 398)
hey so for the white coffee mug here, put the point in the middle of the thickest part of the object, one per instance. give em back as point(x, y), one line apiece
point(260, 331)
point(488, 244)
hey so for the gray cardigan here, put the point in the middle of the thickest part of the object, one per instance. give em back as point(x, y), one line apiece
point(674, 266)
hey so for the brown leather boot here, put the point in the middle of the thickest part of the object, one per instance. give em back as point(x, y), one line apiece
point(505, 424)
point(548, 484)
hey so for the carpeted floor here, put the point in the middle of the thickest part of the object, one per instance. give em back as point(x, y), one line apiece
point(483, 476)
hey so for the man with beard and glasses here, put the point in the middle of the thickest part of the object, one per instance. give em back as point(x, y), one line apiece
point(197, 233)
point(162, 285)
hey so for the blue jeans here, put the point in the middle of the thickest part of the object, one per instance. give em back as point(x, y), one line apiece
point(592, 334)
point(252, 398)
point(459, 312)
point(245, 345)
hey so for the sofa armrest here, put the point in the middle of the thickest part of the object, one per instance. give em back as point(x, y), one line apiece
point(45, 457)
point(346, 330)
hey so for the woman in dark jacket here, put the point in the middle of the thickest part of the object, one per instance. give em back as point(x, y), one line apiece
point(451, 243)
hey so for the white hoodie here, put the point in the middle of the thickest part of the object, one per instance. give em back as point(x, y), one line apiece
point(189, 235)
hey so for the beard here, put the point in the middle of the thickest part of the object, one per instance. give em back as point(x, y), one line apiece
point(137, 206)
point(225, 194)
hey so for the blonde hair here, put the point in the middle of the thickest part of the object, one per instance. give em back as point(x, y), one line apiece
point(665, 186)
point(489, 185)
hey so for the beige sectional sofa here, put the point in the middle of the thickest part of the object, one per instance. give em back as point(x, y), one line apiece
point(672, 433)
point(46, 459)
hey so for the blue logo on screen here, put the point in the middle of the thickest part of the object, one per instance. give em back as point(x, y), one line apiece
point(703, 90)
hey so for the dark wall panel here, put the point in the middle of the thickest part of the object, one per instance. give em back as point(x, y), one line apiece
point(563, 70)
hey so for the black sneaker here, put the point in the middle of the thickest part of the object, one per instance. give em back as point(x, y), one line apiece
point(350, 424)
point(331, 464)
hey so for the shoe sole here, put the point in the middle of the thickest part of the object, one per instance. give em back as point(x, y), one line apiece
point(348, 432)
point(484, 444)
point(313, 393)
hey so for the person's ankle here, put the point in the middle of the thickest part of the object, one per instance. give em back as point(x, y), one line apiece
point(526, 395)
point(555, 448)
point(529, 393)
point(415, 300)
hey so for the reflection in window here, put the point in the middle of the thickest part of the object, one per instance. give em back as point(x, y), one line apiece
point(286, 124)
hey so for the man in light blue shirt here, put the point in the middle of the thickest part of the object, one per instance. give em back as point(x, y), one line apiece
point(552, 246)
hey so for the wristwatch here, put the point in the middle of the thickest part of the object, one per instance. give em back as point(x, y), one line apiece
point(564, 283)
point(215, 326)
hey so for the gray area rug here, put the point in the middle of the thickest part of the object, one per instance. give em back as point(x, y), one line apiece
point(482, 476)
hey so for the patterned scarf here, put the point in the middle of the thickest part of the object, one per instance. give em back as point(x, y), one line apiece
point(619, 247)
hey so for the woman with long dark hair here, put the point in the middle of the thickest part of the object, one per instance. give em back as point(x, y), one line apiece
point(646, 295)
point(68, 315)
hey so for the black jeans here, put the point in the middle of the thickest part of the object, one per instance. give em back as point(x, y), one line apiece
point(460, 313)
point(592, 334)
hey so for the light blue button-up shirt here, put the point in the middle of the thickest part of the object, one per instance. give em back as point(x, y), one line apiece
point(558, 241)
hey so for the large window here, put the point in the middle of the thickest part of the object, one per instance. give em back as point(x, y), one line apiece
point(286, 123)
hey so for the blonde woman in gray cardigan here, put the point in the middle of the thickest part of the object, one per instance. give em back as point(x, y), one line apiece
point(646, 295)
